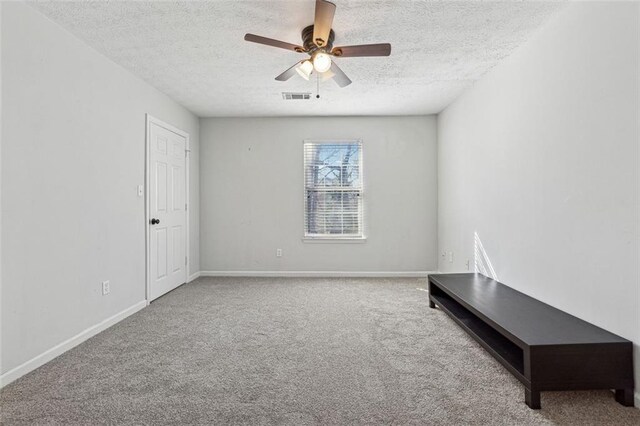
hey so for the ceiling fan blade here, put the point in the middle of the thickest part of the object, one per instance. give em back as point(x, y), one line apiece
point(288, 73)
point(323, 21)
point(383, 49)
point(340, 77)
point(271, 42)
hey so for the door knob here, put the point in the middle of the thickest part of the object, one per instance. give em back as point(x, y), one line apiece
point(155, 221)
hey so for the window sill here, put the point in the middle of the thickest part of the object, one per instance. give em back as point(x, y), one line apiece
point(331, 240)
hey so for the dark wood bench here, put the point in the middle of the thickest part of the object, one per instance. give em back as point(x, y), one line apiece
point(543, 347)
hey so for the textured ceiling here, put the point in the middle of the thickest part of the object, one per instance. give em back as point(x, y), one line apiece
point(195, 52)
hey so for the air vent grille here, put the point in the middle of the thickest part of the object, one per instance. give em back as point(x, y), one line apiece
point(292, 96)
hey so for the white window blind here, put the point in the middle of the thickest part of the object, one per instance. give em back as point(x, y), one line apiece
point(333, 189)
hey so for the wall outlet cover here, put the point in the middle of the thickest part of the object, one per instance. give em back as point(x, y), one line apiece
point(106, 288)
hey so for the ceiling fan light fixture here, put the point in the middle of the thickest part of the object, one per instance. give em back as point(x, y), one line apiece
point(305, 69)
point(321, 62)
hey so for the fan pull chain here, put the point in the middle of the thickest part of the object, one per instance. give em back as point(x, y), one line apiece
point(317, 85)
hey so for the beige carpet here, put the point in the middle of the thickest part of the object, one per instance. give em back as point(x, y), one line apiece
point(290, 351)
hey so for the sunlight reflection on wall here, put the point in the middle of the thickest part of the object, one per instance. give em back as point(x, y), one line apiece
point(481, 260)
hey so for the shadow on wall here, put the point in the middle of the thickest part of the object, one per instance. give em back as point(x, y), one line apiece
point(481, 260)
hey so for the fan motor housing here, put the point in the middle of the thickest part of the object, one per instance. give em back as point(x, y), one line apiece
point(310, 46)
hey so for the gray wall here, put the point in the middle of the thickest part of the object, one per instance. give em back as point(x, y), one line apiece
point(1, 350)
point(252, 195)
point(540, 159)
point(73, 155)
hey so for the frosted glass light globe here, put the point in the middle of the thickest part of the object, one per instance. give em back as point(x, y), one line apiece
point(321, 62)
point(305, 69)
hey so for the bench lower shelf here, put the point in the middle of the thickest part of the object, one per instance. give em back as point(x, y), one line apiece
point(505, 351)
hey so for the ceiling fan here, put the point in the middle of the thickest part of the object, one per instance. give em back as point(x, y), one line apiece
point(317, 42)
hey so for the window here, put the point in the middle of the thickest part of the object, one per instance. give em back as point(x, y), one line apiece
point(333, 190)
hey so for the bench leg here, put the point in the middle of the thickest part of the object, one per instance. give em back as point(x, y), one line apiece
point(431, 304)
point(532, 398)
point(625, 397)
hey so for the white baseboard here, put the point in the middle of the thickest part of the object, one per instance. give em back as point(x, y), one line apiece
point(323, 274)
point(193, 277)
point(61, 348)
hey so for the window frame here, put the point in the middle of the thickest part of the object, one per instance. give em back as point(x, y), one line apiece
point(334, 238)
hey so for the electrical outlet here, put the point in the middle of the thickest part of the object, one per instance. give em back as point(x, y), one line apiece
point(278, 252)
point(106, 288)
point(450, 257)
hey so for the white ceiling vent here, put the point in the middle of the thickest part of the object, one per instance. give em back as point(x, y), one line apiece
point(292, 96)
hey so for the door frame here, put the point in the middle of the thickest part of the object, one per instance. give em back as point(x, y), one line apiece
point(149, 120)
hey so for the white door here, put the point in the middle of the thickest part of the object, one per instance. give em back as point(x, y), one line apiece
point(167, 210)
